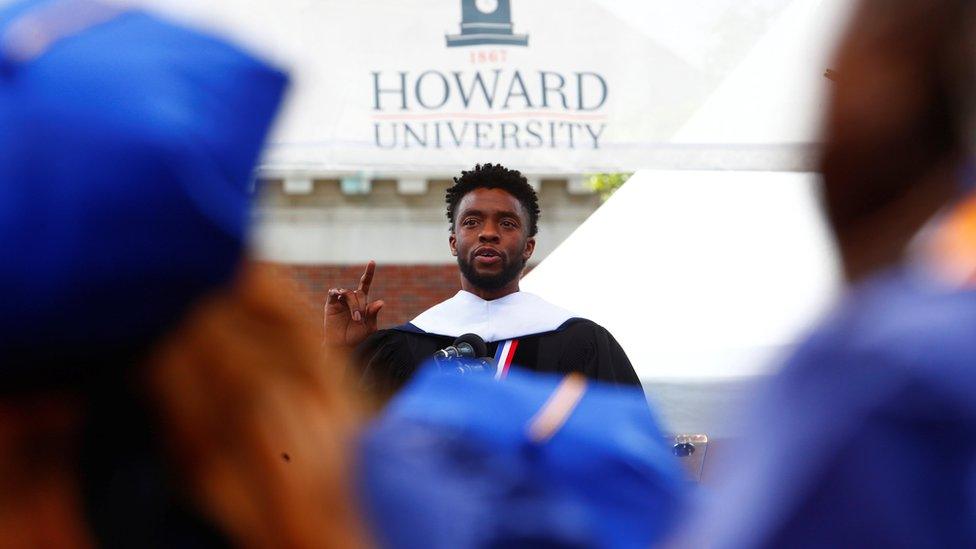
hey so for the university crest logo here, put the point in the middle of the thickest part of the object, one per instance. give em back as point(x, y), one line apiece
point(486, 22)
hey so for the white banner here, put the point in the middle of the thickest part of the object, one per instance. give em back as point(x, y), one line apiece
point(560, 86)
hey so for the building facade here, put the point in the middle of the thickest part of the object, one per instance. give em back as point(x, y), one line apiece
point(319, 232)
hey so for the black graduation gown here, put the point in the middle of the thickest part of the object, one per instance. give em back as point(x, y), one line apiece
point(387, 359)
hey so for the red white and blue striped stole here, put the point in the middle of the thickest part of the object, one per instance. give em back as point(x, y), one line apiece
point(503, 357)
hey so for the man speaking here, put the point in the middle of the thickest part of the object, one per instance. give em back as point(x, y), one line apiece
point(494, 214)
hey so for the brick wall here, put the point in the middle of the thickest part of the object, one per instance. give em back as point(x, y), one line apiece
point(406, 289)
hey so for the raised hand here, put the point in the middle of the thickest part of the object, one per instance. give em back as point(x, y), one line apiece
point(349, 316)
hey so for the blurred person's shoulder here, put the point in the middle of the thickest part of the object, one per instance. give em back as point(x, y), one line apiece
point(903, 313)
point(876, 401)
point(897, 328)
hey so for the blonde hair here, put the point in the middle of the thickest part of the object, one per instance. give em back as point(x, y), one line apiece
point(258, 419)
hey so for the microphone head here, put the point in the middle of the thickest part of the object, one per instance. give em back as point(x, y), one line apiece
point(474, 340)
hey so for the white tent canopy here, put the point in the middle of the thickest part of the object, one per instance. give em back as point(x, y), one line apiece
point(699, 275)
point(705, 278)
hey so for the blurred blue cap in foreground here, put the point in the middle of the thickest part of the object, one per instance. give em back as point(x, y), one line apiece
point(127, 146)
point(454, 462)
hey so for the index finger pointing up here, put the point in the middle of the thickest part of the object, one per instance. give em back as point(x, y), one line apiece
point(367, 279)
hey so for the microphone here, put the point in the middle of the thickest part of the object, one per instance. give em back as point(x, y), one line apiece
point(465, 356)
point(465, 346)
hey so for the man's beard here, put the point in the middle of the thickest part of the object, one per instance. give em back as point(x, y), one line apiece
point(509, 272)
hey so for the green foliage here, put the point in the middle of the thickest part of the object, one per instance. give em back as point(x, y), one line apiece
point(607, 183)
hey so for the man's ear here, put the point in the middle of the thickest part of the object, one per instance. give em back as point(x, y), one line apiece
point(529, 248)
point(452, 240)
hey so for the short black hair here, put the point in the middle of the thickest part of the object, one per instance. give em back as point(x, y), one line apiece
point(494, 176)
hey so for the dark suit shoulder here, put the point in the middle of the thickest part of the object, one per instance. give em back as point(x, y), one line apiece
point(577, 324)
point(582, 345)
point(584, 330)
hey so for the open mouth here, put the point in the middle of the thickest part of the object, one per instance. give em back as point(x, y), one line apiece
point(487, 256)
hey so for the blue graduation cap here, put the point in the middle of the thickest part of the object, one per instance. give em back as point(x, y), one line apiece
point(127, 146)
point(535, 460)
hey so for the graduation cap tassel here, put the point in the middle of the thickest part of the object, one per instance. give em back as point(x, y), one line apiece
point(557, 409)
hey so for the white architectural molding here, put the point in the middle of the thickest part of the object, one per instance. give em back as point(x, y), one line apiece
point(412, 186)
point(577, 184)
point(298, 185)
point(301, 181)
